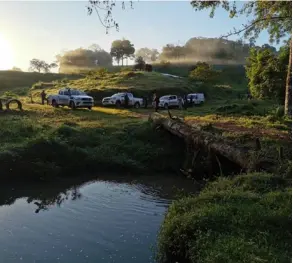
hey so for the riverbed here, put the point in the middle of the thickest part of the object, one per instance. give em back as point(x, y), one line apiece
point(97, 220)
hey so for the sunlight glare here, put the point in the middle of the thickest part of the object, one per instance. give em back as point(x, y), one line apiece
point(6, 54)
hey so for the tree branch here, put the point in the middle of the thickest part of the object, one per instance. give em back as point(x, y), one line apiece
point(246, 27)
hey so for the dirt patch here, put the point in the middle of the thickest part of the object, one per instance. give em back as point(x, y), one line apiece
point(253, 132)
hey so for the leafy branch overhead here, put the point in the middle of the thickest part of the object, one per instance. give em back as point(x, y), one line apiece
point(104, 11)
point(275, 16)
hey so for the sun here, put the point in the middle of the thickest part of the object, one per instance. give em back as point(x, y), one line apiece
point(6, 54)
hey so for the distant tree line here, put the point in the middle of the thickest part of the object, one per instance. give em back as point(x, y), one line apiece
point(83, 59)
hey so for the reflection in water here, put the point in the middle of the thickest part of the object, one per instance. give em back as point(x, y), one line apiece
point(80, 221)
point(45, 203)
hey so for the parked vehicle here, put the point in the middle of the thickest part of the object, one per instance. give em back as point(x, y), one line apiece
point(169, 101)
point(71, 98)
point(118, 100)
point(197, 98)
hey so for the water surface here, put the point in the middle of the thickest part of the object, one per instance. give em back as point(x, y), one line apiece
point(98, 221)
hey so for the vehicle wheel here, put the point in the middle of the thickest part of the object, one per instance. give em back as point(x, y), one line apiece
point(137, 105)
point(72, 105)
point(166, 106)
point(89, 108)
point(118, 104)
point(55, 104)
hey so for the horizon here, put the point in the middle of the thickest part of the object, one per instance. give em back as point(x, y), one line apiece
point(34, 33)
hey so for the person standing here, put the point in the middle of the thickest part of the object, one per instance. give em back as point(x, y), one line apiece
point(145, 102)
point(191, 100)
point(43, 96)
point(156, 102)
point(180, 102)
point(185, 102)
point(126, 100)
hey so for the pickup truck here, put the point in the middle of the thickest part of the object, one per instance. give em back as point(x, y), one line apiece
point(71, 98)
point(169, 101)
point(197, 98)
point(118, 100)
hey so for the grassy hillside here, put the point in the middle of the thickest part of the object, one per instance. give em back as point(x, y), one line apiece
point(21, 81)
point(100, 83)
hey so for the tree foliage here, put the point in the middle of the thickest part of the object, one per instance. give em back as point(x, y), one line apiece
point(203, 72)
point(83, 59)
point(149, 55)
point(41, 65)
point(207, 49)
point(273, 16)
point(104, 11)
point(139, 63)
point(122, 49)
point(16, 69)
point(266, 72)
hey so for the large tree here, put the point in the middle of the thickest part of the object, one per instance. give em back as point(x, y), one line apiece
point(83, 59)
point(149, 55)
point(41, 65)
point(266, 72)
point(273, 16)
point(122, 49)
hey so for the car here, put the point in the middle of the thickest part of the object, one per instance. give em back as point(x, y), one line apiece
point(72, 98)
point(118, 100)
point(169, 101)
point(197, 98)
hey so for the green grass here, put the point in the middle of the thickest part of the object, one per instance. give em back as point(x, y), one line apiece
point(46, 142)
point(21, 82)
point(100, 84)
point(244, 219)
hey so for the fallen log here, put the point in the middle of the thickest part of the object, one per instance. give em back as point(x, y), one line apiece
point(241, 156)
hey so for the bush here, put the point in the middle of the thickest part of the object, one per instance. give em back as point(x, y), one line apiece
point(232, 220)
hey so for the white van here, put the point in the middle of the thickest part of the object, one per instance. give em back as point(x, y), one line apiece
point(197, 98)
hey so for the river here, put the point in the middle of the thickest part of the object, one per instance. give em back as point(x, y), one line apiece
point(113, 220)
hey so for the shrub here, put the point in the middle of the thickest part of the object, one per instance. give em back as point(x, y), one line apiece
point(232, 220)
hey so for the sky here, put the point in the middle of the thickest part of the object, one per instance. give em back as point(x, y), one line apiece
point(43, 29)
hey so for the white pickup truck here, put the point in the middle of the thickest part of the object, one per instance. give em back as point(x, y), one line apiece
point(169, 101)
point(71, 98)
point(118, 100)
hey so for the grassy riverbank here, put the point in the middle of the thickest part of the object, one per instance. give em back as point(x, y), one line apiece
point(46, 142)
point(242, 219)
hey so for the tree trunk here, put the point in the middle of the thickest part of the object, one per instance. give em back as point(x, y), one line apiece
point(241, 156)
point(288, 94)
point(122, 61)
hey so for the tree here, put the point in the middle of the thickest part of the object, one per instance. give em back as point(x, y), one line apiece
point(41, 65)
point(83, 59)
point(16, 69)
point(273, 16)
point(106, 6)
point(203, 72)
point(139, 63)
point(266, 72)
point(121, 49)
point(149, 55)
point(36, 64)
